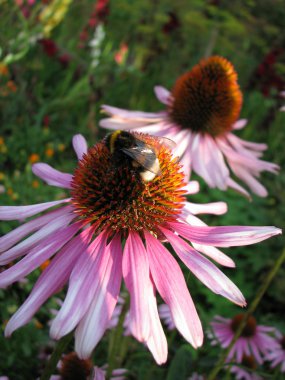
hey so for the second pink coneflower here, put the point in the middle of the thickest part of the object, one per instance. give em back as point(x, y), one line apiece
point(201, 116)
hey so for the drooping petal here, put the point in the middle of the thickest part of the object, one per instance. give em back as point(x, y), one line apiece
point(216, 166)
point(162, 94)
point(125, 114)
point(20, 249)
point(204, 269)
point(22, 212)
point(12, 237)
point(79, 145)
point(232, 184)
point(83, 283)
point(156, 342)
point(95, 322)
point(38, 255)
point(52, 176)
point(227, 236)
point(136, 276)
point(51, 280)
point(169, 281)
point(249, 179)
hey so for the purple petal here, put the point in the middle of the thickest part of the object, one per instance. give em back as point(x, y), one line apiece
point(170, 283)
point(20, 249)
point(240, 124)
point(162, 94)
point(12, 237)
point(52, 176)
point(136, 276)
point(51, 280)
point(156, 342)
point(83, 283)
point(95, 322)
point(125, 114)
point(38, 255)
point(79, 145)
point(204, 269)
point(227, 236)
point(22, 212)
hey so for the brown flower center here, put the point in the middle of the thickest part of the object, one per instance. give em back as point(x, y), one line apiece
point(249, 362)
point(248, 330)
point(282, 342)
point(110, 193)
point(74, 368)
point(207, 99)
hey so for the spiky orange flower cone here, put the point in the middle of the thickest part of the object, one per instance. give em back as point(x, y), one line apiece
point(111, 229)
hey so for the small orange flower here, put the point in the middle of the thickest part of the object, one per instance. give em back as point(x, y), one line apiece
point(61, 147)
point(9, 191)
point(3, 69)
point(34, 157)
point(11, 85)
point(35, 184)
point(49, 152)
point(38, 324)
point(1, 140)
point(44, 265)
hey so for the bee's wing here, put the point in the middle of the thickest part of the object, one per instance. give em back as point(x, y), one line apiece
point(144, 156)
point(166, 141)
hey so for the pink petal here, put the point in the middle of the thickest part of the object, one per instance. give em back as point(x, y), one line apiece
point(22, 212)
point(216, 166)
point(52, 176)
point(136, 115)
point(38, 255)
point(252, 183)
point(227, 236)
point(58, 223)
point(79, 145)
point(215, 254)
point(231, 183)
point(215, 208)
point(98, 374)
point(95, 322)
point(50, 281)
point(204, 269)
point(156, 342)
point(18, 233)
point(192, 187)
point(162, 94)
point(170, 283)
point(124, 124)
point(83, 283)
point(136, 276)
point(240, 124)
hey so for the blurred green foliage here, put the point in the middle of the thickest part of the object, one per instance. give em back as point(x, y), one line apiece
point(52, 86)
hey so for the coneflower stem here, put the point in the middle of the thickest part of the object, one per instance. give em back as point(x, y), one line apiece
point(116, 341)
point(55, 356)
point(264, 286)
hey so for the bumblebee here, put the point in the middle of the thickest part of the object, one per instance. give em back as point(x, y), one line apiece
point(125, 146)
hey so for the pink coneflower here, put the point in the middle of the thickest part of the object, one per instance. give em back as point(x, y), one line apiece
point(111, 228)
point(277, 355)
point(254, 340)
point(202, 112)
point(246, 370)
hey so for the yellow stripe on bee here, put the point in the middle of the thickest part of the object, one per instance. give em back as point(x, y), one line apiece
point(113, 139)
